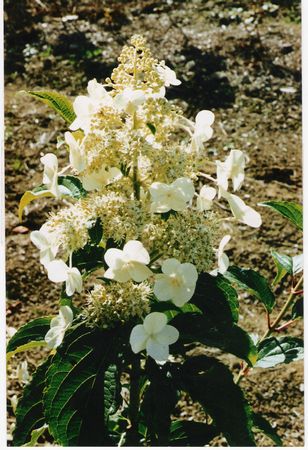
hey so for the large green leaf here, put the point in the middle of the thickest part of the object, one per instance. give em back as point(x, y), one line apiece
point(210, 383)
point(35, 330)
point(83, 387)
point(74, 186)
point(171, 310)
point(254, 283)
point(216, 298)
point(229, 338)
point(266, 428)
point(60, 103)
point(290, 210)
point(190, 433)
point(30, 411)
point(273, 351)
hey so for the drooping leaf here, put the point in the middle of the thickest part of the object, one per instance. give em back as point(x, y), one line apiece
point(83, 387)
point(28, 197)
point(30, 411)
point(254, 283)
point(33, 331)
point(266, 428)
point(96, 232)
point(298, 309)
point(290, 210)
point(58, 102)
point(229, 338)
point(273, 351)
point(74, 186)
point(191, 434)
point(210, 383)
point(216, 298)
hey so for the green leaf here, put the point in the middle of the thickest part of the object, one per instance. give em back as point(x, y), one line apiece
point(60, 103)
point(283, 265)
point(190, 433)
point(298, 309)
point(96, 232)
point(290, 210)
point(229, 338)
point(35, 330)
point(30, 411)
point(266, 428)
point(28, 197)
point(89, 257)
point(151, 128)
point(35, 435)
point(273, 351)
point(74, 185)
point(216, 298)
point(254, 283)
point(171, 310)
point(83, 387)
point(210, 383)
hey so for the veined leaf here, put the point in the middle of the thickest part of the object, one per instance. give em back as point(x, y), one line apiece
point(28, 197)
point(74, 185)
point(30, 411)
point(171, 310)
point(83, 387)
point(290, 210)
point(283, 265)
point(33, 331)
point(35, 435)
point(254, 283)
point(58, 102)
point(210, 383)
point(273, 351)
point(266, 428)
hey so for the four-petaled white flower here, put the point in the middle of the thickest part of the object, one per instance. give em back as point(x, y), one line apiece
point(47, 243)
point(223, 260)
point(167, 75)
point(203, 130)
point(98, 180)
point(177, 282)
point(232, 168)
point(58, 272)
point(154, 336)
point(205, 198)
point(77, 156)
point(58, 327)
point(173, 196)
point(242, 212)
point(129, 100)
point(129, 263)
point(86, 106)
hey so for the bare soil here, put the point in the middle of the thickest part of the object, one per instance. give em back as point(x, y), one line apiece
point(236, 58)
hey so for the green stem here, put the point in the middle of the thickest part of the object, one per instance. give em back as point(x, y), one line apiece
point(134, 399)
point(272, 327)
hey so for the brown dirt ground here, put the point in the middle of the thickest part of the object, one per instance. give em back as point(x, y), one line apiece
point(228, 63)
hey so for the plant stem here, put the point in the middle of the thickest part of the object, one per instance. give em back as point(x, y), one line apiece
point(274, 325)
point(132, 433)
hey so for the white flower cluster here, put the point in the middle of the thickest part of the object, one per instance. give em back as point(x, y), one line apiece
point(127, 148)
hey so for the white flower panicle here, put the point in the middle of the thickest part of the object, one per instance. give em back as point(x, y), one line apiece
point(138, 174)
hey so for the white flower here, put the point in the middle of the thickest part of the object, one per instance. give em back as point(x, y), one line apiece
point(177, 282)
point(233, 167)
point(46, 242)
point(98, 180)
point(58, 327)
point(241, 211)
point(171, 196)
point(167, 75)
point(58, 272)
point(86, 106)
point(223, 260)
point(202, 129)
point(129, 100)
point(154, 336)
point(22, 373)
point(50, 175)
point(205, 198)
point(77, 156)
point(129, 263)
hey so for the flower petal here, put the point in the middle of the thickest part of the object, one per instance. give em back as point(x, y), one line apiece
point(74, 281)
point(170, 266)
point(186, 187)
point(138, 271)
point(241, 211)
point(138, 338)
point(154, 322)
point(54, 337)
point(158, 351)
point(135, 251)
point(114, 258)
point(57, 271)
point(163, 288)
point(169, 335)
point(66, 314)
